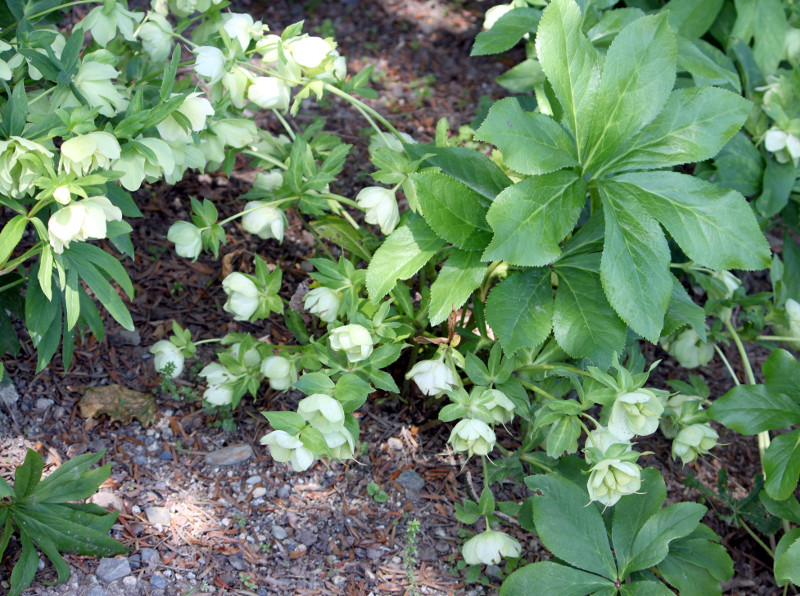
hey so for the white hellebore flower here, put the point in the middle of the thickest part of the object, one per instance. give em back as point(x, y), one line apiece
point(165, 352)
point(792, 309)
point(279, 371)
point(284, 447)
point(242, 296)
point(380, 207)
point(94, 81)
point(612, 479)
point(103, 23)
point(323, 412)
point(601, 439)
point(694, 440)
point(268, 181)
point(210, 63)
point(240, 26)
point(219, 391)
point(5, 69)
point(688, 349)
point(269, 93)
point(389, 141)
point(263, 220)
point(187, 239)
point(21, 162)
point(196, 109)
point(472, 436)
point(156, 36)
point(341, 444)
point(500, 407)
point(81, 220)
point(785, 146)
point(433, 377)
point(489, 547)
point(310, 52)
point(83, 153)
point(322, 302)
point(494, 13)
point(635, 413)
point(354, 340)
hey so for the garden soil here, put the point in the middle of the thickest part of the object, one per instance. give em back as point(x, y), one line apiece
point(207, 511)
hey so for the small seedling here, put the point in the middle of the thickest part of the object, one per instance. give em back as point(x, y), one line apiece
point(378, 495)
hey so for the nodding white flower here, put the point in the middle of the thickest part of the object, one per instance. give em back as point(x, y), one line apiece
point(785, 146)
point(166, 352)
point(730, 283)
point(380, 207)
point(323, 412)
point(218, 378)
point(268, 181)
point(187, 239)
point(265, 221)
point(218, 395)
point(473, 436)
point(635, 413)
point(688, 349)
point(269, 93)
point(354, 340)
point(216, 374)
point(601, 439)
point(340, 443)
point(433, 377)
point(103, 24)
point(499, 406)
point(21, 162)
point(267, 46)
point(62, 195)
point(322, 302)
point(94, 80)
point(5, 69)
point(235, 82)
point(280, 372)
point(83, 153)
point(196, 109)
point(489, 548)
point(611, 479)
point(243, 296)
point(694, 440)
point(157, 37)
point(310, 52)
point(792, 309)
point(235, 132)
point(240, 26)
point(138, 165)
point(284, 447)
point(210, 63)
point(81, 220)
point(389, 141)
point(494, 13)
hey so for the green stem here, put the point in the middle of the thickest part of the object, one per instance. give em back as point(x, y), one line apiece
point(727, 365)
point(360, 105)
point(758, 540)
point(529, 459)
point(572, 369)
point(275, 162)
point(751, 379)
point(288, 128)
point(536, 389)
point(11, 265)
point(777, 338)
point(246, 211)
point(54, 9)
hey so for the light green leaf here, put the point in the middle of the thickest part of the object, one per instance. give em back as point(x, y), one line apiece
point(766, 21)
point(314, 382)
point(631, 513)
point(787, 558)
point(552, 579)
point(571, 530)
point(635, 264)
point(739, 166)
point(584, 324)
point(652, 542)
point(779, 180)
point(788, 509)
point(531, 142)
point(351, 391)
point(751, 409)
point(520, 309)
point(532, 217)
point(401, 255)
point(638, 75)
point(11, 235)
point(452, 210)
point(461, 275)
point(611, 23)
point(103, 291)
point(506, 31)
point(25, 568)
point(27, 476)
point(782, 373)
point(715, 227)
point(707, 64)
point(289, 422)
point(572, 66)
point(690, 17)
point(693, 126)
point(523, 77)
point(782, 465)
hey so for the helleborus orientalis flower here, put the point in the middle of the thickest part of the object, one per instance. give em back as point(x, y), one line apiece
point(792, 309)
point(472, 436)
point(57, 46)
point(196, 109)
point(635, 413)
point(156, 36)
point(166, 352)
point(280, 372)
point(785, 146)
point(263, 220)
point(269, 93)
point(62, 195)
point(322, 302)
point(81, 220)
point(389, 141)
point(688, 349)
point(284, 447)
point(21, 162)
point(601, 440)
point(218, 378)
point(243, 296)
point(500, 408)
point(612, 479)
point(267, 46)
point(694, 440)
point(268, 181)
point(235, 82)
point(489, 548)
point(354, 340)
point(187, 238)
point(83, 153)
point(235, 132)
point(433, 377)
point(251, 358)
point(380, 207)
point(103, 22)
point(494, 13)
point(323, 412)
point(340, 443)
point(147, 158)
point(727, 284)
point(209, 63)
point(5, 69)
point(94, 81)
point(241, 27)
point(310, 52)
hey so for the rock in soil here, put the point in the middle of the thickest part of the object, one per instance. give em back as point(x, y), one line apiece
point(230, 456)
point(158, 516)
point(110, 570)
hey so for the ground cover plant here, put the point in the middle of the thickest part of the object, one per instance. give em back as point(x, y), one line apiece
point(645, 164)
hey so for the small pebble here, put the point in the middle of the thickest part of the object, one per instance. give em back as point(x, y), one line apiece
point(253, 480)
point(279, 533)
point(139, 460)
point(107, 500)
point(230, 456)
point(158, 582)
point(395, 444)
point(411, 481)
point(129, 581)
point(284, 491)
point(158, 515)
point(259, 492)
point(148, 554)
point(96, 591)
point(165, 455)
point(110, 570)
point(43, 403)
point(237, 562)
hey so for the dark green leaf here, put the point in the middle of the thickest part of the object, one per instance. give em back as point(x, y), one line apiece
point(552, 579)
point(519, 309)
point(506, 31)
point(652, 542)
point(751, 409)
point(460, 275)
point(27, 476)
point(692, 18)
point(782, 465)
point(631, 513)
point(787, 558)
